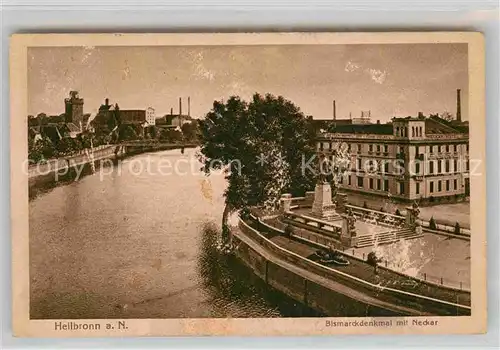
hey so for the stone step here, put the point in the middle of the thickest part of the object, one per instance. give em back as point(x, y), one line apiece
point(386, 237)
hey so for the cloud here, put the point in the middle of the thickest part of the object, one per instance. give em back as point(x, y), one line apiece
point(351, 66)
point(200, 71)
point(377, 75)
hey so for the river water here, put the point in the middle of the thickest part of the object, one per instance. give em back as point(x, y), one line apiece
point(137, 240)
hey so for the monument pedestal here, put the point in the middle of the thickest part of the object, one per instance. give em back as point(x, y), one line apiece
point(323, 205)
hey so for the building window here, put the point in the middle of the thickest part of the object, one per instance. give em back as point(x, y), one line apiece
point(447, 185)
point(455, 165)
point(359, 148)
point(397, 131)
point(417, 188)
point(321, 146)
point(401, 188)
point(455, 184)
point(378, 184)
point(431, 149)
point(421, 131)
point(359, 163)
point(439, 149)
point(467, 165)
point(349, 180)
point(447, 166)
point(370, 148)
point(386, 148)
point(467, 147)
point(439, 166)
point(371, 183)
point(378, 148)
point(413, 131)
point(341, 180)
point(431, 167)
point(360, 181)
point(417, 168)
point(349, 147)
point(439, 186)
point(447, 148)
point(386, 185)
point(431, 189)
point(386, 168)
point(454, 148)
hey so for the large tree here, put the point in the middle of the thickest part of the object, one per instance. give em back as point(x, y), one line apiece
point(262, 145)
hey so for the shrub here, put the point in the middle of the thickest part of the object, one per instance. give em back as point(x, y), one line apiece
point(372, 259)
point(432, 223)
point(457, 228)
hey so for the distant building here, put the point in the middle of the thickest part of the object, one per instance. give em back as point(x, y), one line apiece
point(150, 116)
point(432, 155)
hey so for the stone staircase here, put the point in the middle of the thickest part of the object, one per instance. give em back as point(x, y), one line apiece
point(386, 237)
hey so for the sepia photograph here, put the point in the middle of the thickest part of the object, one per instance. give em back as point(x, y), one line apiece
point(294, 178)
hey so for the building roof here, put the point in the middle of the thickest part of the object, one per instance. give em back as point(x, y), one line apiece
point(328, 124)
point(381, 129)
point(436, 125)
point(72, 127)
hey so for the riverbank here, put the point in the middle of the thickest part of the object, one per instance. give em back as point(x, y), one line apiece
point(295, 274)
point(58, 171)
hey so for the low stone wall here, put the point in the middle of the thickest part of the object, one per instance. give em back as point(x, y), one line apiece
point(319, 286)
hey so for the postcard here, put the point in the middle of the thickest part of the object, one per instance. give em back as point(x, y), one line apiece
point(248, 184)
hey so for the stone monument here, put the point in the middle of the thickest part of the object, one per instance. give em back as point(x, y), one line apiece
point(348, 236)
point(413, 219)
point(323, 205)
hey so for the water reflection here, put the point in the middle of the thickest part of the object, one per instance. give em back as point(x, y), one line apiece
point(235, 291)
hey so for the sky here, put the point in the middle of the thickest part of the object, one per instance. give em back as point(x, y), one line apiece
point(389, 80)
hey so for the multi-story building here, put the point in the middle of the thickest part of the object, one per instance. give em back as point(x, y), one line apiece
point(422, 158)
point(150, 116)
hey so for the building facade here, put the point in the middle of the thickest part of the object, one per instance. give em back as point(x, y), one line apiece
point(150, 116)
point(423, 158)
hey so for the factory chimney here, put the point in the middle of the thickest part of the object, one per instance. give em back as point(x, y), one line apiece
point(459, 107)
point(189, 106)
point(106, 102)
point(171, 111)
point(334, 111)
point(180, 105)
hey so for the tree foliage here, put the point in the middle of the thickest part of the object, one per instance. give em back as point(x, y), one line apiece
point(261, 145)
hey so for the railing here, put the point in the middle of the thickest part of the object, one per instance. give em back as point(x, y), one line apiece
point(311, 223)
point(329, 135)
point(336, 275)
point(377, 217)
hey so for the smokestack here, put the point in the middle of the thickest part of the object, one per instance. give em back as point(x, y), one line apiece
point(334, 111)
point(180, 105)
point(106, 102)
point(171, 111)
point(189, 106)
point(459, 107)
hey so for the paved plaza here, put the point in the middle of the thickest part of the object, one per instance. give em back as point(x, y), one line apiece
point(434, 255)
